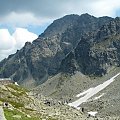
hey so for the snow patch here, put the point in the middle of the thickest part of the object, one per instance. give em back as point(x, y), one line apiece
point(67, 43)
point(16, 83)
point(85, 92)
point(92, 113)
point(99, 96)
point(91, 92)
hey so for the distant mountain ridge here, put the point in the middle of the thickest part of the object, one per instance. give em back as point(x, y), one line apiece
point(69, 44)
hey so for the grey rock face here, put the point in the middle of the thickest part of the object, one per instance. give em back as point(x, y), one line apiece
point(64, 46)
point(96, 52)
point(59, 26)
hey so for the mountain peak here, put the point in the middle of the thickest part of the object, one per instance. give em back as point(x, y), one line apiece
point(43, 58)
point(85, 15)
point(60, 25)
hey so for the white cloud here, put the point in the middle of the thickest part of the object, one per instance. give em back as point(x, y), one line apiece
point(23, 19)
point(97, 8)
point(42, 12)
point(105, 7)
point(21, 36)
point(6, 40)
point(10, 43)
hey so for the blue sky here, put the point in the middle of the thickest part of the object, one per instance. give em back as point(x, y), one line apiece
point(33, 16)
point(118, 13)
point(34, 29)
point(37, 29)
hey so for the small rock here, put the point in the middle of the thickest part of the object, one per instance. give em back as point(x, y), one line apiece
point(28, 116)
point(17, 116)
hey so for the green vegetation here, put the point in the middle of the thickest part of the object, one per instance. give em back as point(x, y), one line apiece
point(17, 88)
point(19, 103)
point(13, 103)
point(17, 94)
point(13, 97)
point(9, 114)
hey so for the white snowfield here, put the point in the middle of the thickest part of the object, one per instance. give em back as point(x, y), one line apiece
point(92, 113)
point(91, 92)
point(85, 92)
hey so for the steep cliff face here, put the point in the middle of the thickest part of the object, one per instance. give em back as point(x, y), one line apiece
point(96, 52)
point(67, 40)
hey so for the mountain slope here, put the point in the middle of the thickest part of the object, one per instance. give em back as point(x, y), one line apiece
point(24, 105)
point(37, 61)
point(18, 102)
point(66, 87)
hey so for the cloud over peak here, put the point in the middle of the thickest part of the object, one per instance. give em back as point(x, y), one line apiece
point(29, 12)
point(21, 36)
point(10, 43)
point(6, 40)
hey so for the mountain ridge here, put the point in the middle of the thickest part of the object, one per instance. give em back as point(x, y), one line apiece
point(42, 58)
